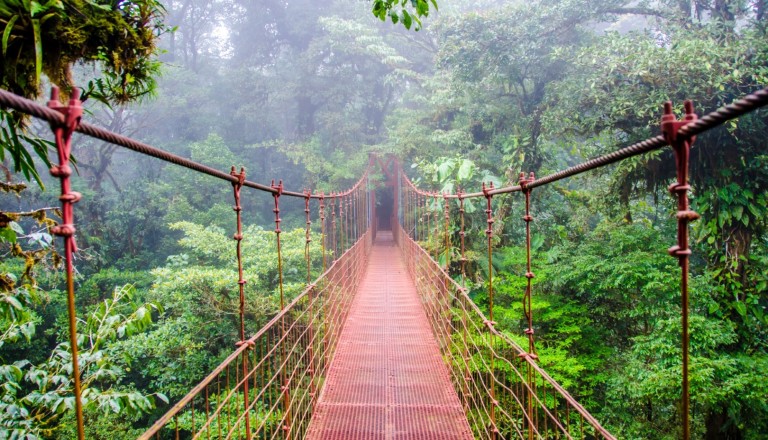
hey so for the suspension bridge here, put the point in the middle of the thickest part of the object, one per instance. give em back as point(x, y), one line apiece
point(385, 343)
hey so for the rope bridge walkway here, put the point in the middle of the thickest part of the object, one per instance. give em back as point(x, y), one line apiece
point(385, 343)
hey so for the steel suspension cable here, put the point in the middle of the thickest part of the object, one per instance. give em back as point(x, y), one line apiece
point(24, 105)
point(678, 134)
point(738, 108)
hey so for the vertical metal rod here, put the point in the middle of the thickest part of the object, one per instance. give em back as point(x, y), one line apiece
point(527, 308)
point(236, 187)
point(307, 236)
point(311, 297)
point(334, 237)
point(447, 235)
point(322, 229)
point(433, 206)
point(283, 360)
point(682, 149)
point(463, 262)
point(63, 135)
point(490, 324)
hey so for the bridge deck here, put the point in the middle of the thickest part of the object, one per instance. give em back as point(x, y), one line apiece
point(387, 379)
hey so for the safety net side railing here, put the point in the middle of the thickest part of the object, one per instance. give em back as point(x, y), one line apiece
point(268, 386)
point(505, 392)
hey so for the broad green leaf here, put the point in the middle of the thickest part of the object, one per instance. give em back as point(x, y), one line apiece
point(465, 170)
point(444, 170)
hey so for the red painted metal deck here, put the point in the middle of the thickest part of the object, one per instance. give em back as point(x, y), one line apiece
point(387, 379)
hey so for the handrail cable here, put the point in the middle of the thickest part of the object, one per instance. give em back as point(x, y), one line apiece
point(24, 105)
point(711, 120)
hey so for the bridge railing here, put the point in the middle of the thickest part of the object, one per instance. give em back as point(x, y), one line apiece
point(504, 392)
point(268, 387)
point(274, 375)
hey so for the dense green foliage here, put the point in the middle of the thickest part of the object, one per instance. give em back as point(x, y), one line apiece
point(303, 91)
point(51, 36)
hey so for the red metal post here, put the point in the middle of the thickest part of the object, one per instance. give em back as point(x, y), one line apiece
point(682, 149)
point(311, 296)
point(284, 376)
point(464, 323)
point(527, 309)
point(334, 235)
point(447, 215)
point(236, 187)
point(322, 229)
point(491, 323)
point(63, 135)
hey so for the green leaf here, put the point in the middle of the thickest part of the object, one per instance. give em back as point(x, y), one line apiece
point(740, 308)
point(465, 170)
point(422, 8)
point(407, 20)
point(16, 228)
point(738, 211)
point(7, 234)
point(444, 170)
point(38, 49)
point(7, 33)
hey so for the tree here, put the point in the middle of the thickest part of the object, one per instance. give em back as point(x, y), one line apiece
point(627, 78)
point(398, 11)
point(51, 37)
